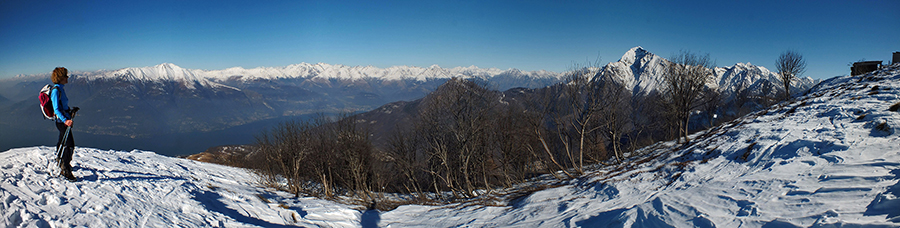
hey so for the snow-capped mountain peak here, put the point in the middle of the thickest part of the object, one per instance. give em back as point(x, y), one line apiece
point(162, 72)
point(643, 71)
point(632, 55)
point(640, 70)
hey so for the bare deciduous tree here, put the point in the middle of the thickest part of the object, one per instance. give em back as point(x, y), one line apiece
point(582, 99)
point(545, 104)
point(401, 149)
point(283, 149)
point(684, 80)
point(355, 154)
point(615, 111)
point(512, 137)
point(456, 126)
point(790, 65)
point(711, 101)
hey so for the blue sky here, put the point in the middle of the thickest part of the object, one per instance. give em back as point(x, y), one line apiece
point(529, 35)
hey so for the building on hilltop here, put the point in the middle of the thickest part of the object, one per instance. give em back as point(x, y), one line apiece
point(863, 67)
point(896, 58)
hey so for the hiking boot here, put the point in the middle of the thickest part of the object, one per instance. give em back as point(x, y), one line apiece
point(70, 177)
point(67, 173)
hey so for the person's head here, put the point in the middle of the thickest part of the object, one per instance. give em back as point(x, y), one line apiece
point(60, 75)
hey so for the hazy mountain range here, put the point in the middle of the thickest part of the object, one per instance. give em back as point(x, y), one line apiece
point(168, 105)
point(175, 110)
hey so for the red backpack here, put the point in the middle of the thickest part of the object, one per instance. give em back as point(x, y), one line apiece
point(46, 104)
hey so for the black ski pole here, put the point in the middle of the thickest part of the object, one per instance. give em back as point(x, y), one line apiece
point(62, 144)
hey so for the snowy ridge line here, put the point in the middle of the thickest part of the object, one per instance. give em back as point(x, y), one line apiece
point(169, 71)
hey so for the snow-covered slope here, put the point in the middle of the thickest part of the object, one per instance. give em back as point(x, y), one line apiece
point(831, 157)
point(821, 160)
point(143, 189)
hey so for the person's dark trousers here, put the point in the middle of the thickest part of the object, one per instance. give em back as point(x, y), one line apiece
point(69, 146)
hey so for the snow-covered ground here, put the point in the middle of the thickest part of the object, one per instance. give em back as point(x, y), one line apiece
point(144, 189)
point(829, 158)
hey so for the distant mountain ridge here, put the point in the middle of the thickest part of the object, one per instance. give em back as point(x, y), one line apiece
point(170, 71)
point(639, 71)
point(642, 72)
point(143, 103)
point(166, 99)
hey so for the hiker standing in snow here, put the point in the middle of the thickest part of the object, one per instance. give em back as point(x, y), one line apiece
point(60, 102)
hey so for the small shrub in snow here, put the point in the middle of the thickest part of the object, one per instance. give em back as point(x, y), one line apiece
point(895, 107)
point(792, 110)
point(883, 126)
point(263, 198)
point(749, 150)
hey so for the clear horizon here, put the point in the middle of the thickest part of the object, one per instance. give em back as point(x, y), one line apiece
point(529, 35)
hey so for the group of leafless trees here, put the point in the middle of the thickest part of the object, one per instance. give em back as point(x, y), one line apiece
point(318, 156)
point(462, 140)
point(466, 138)
point(685, 88)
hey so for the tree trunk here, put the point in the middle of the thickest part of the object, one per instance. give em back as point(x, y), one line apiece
point(684, 131)
point(547, 149)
